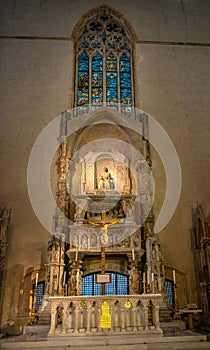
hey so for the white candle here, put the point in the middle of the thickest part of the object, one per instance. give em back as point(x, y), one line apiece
point(76, 254)
point(174, 276)
point(133, 255)
point(37, 276)
point(152, 277)
point(148, 278)
point(143, 276)
point(64, 278)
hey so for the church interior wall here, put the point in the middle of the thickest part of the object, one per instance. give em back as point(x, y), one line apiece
point(172, 85)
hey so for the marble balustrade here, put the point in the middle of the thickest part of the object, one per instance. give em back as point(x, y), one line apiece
point(80, 315)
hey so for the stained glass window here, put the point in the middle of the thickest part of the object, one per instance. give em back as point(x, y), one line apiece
point(83, 79)
point(169, 286)
point(111, 80)
point(39, 294)
point(97, 80)
point(118, 285)
point(104, 63)
point(125, 80)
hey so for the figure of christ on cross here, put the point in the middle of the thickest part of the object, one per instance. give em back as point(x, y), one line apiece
point(104, 223)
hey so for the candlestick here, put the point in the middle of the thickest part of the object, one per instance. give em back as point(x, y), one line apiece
point(33, 309)
point(153, 287)
point(37, 276)
point(152, 277)
point(174, 276)
point(30, 300)
point(133, 255)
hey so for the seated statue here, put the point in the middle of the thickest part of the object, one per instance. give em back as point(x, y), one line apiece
point(106, 181)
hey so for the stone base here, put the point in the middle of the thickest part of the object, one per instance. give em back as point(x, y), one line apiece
point(192, 341)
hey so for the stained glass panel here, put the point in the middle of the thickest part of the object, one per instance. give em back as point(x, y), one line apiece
point(95, 26)
point(111, 287)
point(125, 80)
point(125, 65)
point(122, 284)
point(118, 285)
point(83, 79)
point(97, 79)
point(97, 286)
point(113, 26)
point(111, 79)
point(39, 294)
point(97, 63)
point(169, 286)
point(87, 285)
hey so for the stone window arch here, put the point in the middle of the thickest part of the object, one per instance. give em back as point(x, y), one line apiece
point(104, 61)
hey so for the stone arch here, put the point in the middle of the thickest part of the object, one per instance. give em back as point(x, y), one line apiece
point(71, 316)
point(59, 315)
point(92, 12)
point(104, 115)
point(103, 42)
point(140, 315)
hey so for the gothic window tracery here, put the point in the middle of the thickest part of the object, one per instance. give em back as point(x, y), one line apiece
point(104, 63)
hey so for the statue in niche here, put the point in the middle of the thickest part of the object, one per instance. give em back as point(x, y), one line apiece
point(55, 281)
point(127, 242)
point(84, 241)
point(78, 282)
point(118, 240)
point(53, 249)
point(93, 241)
point(128, 209)
point(136, 240)
point(75, 240)
point(106, 181)
point(110, 240)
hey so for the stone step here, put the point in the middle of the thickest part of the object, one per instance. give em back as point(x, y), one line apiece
point(191, 342)
point(165, 314)
point(44, 312)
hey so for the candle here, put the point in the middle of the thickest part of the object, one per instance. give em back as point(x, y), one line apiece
point(64, 278)
point(76, 258)
point(152, 277)
point(143, 276)
point(174, 276)
point(133, 255)
point(148, 278)
point(37, 276)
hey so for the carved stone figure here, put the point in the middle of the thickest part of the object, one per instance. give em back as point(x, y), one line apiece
point(106, 181)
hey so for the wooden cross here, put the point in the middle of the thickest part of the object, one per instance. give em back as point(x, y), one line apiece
point(104, 223)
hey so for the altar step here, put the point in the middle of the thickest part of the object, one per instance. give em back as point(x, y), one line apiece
point(189, 341)
point(44, 315)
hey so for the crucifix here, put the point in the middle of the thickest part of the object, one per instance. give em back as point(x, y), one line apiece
point(104, 223)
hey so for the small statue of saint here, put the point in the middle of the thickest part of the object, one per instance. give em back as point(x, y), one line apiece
point(106, 181)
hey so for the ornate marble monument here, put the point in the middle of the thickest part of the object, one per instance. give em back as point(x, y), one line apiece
point(107, 227)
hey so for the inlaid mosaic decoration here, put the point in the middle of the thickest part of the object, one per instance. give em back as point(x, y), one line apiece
point(104, 66)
